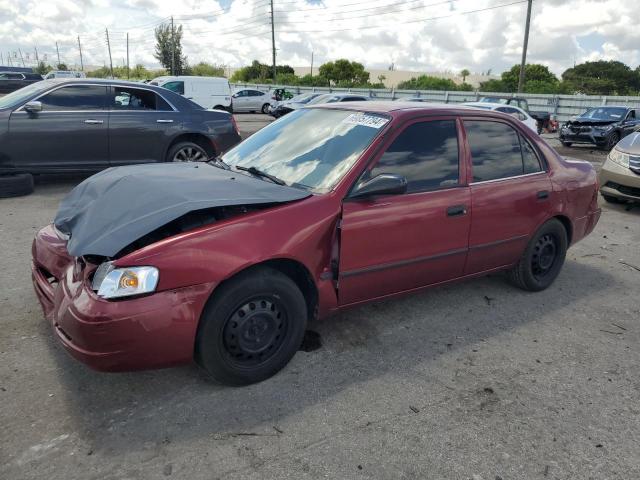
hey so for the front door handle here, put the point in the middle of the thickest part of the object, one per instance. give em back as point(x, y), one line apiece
point(94, 122)
point(456, 211)
point(164, 121)
point(543, 195)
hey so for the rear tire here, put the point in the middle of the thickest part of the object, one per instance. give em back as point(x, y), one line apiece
point(187, 152)
point(542, 259)
point(251, 327)
point(566, 144)
point(16, 185)
point(265, 108)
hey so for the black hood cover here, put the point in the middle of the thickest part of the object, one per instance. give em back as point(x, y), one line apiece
point(591, 121)
point(116, 207)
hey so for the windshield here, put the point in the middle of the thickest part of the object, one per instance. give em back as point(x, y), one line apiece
point(24, 93)
point(605, 113)
point(309, 148)
point(326, 98)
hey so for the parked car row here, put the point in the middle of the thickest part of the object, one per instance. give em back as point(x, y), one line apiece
point(88, 125)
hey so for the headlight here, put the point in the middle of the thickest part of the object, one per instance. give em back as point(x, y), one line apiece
point(620, 158)
point(603, 128)
point(111, 282)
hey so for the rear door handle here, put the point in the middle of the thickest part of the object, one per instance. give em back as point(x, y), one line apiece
point(94, 122)
point(456, 211)
point(164, 121)
point(543, 195)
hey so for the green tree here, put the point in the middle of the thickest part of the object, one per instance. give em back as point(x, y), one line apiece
point(425, 82)
point(344, 73)
point(259, 72)
point(62, 66)
point(203, 69)
point(42, 68)
point(493, 85)
point(602, 78)
point(168, 50)
point(464, 74)
point(533, 72)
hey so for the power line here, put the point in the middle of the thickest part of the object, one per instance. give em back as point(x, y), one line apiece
point(369, 27)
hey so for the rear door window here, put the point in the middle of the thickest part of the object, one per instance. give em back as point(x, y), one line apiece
point(75, 97)
point(126, 98)
point(498, 151)
point(426, 154)
point(495, 150)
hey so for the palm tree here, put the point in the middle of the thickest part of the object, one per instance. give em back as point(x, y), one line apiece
point(464, 74)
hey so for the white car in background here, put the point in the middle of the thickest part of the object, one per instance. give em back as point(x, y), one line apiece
point(64, 74)
point(517, 112)
point(208, 92)
point(251, 100)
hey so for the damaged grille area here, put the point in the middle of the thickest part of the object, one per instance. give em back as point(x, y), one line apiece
point(190, 221)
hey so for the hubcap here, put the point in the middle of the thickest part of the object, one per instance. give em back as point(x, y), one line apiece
point(544, 256)
point(255, 331)
point(189, 154)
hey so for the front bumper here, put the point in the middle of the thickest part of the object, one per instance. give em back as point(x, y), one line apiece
point(592, 137)
point(152, 331)
point(618, 181)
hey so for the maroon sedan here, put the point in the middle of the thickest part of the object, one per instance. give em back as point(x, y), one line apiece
point(225, 262)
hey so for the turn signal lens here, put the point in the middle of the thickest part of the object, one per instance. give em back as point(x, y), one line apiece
point(128, 280)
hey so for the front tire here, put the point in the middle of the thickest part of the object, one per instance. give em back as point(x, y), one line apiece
point(187, 152)
point(566, 144)
point(612, 141)
point(542, 259)
point(16, 185)
point(611, 199)
point(251, 327)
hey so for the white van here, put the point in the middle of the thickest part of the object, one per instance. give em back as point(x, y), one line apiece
point(64, 74)
point(208, 92)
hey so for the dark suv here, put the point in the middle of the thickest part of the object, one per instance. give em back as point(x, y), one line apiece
point(12, 81)
point(600, 126)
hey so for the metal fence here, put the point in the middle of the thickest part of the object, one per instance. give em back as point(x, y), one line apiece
point(562, 107)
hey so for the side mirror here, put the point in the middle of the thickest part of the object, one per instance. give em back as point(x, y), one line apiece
point(383, 184)
point(33, 107)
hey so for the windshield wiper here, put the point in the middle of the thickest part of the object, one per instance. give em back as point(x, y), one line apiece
point(218, 162)
point(260, 173)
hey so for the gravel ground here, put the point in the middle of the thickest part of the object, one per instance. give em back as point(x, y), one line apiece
point(471, 381)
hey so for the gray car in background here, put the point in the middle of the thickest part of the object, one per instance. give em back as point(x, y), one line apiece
point(79, 125)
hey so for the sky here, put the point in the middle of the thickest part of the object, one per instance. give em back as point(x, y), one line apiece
point(420, 35)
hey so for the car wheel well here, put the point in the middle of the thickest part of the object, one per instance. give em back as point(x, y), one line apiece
point(196, 138)
point(297, 272)
point(566, 223)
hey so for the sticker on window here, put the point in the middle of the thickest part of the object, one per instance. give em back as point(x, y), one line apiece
point(366, 120)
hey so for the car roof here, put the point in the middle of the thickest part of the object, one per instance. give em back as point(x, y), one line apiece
point(380, 106)
point(490, 105)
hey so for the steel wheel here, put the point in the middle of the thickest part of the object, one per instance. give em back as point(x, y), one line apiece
point(190, 153)
point(255, 332)
point(544, 256)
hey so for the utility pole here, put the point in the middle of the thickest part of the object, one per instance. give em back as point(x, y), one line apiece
point(80, 49)
point(273, 43)
point(524, 48)
point(173, 48)
point(35, 49)
point(21, 58)
point(109, 47)
point(9, 57)
point(311, 63)
point(58, 52)
point(127, 55)
point(1, 59)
